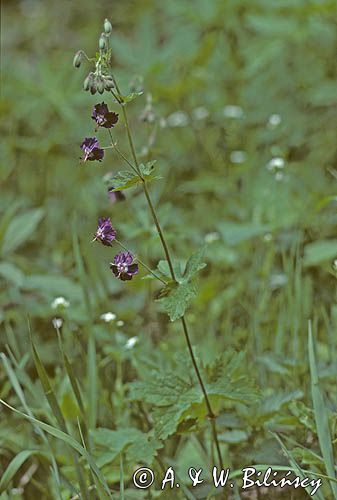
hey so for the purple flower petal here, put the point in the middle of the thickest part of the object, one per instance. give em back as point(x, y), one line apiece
point(91, 149)
point(103, 117)
point(105, 233)
point(123, 266)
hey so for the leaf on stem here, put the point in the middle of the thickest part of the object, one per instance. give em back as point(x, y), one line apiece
point(129, 97)
point(126, 179)
point(176, 296)
point(123, 180)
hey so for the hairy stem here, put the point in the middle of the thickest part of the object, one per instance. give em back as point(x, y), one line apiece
point(211, 415)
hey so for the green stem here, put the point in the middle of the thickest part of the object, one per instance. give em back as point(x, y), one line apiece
point(211, 414)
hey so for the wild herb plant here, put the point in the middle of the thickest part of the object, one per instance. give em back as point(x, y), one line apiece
point(179, 286)
point(246, 146)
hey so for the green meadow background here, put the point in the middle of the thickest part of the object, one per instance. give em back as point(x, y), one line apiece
point(233, 85)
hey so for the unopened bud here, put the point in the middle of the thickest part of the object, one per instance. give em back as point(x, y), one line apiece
point(107, 26)
point(77, 59)
point(88, 81)
point(108, 82)
point(93, 87)
point(100, 84)
point(102, 42)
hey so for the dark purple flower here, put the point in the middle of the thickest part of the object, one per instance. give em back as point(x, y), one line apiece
point(92, 150)
point(115, 195)
point(103, 117)
point(105, 232)
point(123, 266)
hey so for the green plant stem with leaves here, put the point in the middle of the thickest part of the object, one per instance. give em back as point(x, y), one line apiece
point(211, 414)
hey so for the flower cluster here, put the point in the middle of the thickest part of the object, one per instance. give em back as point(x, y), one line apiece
point(103, 118)
point(100, 79)
point(123, 265)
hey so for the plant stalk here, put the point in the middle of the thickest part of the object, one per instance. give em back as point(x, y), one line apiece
point(211, 414)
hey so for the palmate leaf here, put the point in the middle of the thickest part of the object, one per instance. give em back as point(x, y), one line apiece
point(139, 447)
point(195, 264)
point(123, 180)
point(126, 179)
point(175, 400)
point(176, 296)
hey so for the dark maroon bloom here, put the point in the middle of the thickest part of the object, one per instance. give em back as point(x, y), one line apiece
point(123, 266)
point(105, 232)
point(103, 117)
point(92, 150)
point(115, 195)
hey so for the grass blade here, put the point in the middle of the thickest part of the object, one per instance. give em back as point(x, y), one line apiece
point(321, 414)
point(91, 357)
point(296, 467)
point(15, 465)
point(66, 438)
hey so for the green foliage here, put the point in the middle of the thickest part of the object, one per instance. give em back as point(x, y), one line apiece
point(137, 446)
point(20, 229)
point(214, 91)
point(176, 295)
point(125, 180)
point(175, 298)
point(175, 400)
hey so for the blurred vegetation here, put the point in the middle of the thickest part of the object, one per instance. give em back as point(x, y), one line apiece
point(244, 107)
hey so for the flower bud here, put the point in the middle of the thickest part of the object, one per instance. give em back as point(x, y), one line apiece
point(108, 82)
point(107, 26)
point(100, 84)
point(93, 87)
point(102, 42)
point(88, 81)
point(77, 59)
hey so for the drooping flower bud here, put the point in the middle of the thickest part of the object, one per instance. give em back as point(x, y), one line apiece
point(102, 42)
point(108, 82)
point(100, 84)
point(93, 86)
point(77, 59)
point(88, 81)
point(107, 26)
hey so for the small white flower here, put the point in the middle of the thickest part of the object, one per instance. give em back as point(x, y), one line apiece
point(268, 237)
point(178, 119)
point(120, 323)
point(108, 317)
point(131, 342)
point(278, 280)
point(200, 113)
point(279, 176)
point(238, 156)
point(210, 237)
point(57, 323)
point(334, 265)
point(276, 162)
point(274, 120)
point(232, 111)
point(60, 302)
